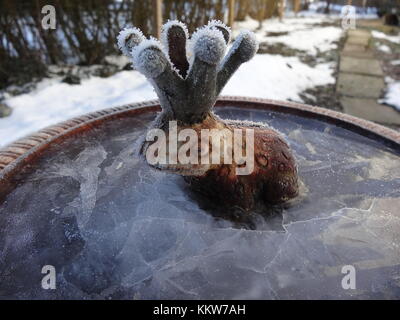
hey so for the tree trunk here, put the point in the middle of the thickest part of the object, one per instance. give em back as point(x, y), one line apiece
point(157, 18)
point(328, 7)
point(281, 9)
point(296, 6)
point(243, 10)
point(231, 16)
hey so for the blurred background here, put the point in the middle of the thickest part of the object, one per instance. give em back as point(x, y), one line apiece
point(309, 52)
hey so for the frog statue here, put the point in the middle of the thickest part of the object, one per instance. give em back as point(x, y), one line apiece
point(187, 137)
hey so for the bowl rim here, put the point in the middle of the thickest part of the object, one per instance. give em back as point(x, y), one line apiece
point(15, 156)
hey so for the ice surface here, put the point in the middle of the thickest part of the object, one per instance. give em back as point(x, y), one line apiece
point(114, 228)
point(85, 169)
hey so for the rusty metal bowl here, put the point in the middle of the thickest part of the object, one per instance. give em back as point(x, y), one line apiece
point(60, 187)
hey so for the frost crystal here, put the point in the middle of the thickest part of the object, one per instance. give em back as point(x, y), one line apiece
point(219, 25)
point(129, 38)
point(167, 26)
point(247, 44)
point(149, 58)
point(209, 45)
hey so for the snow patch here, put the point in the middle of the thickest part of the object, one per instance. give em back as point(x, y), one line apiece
point(381, 35)
point(318, 39)
point(54, 101)
point(302, 35)
point(392, 95)
point(269, 76)
point(384, 48)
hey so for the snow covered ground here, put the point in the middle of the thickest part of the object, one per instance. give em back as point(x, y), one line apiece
point(392, 93)
point(265, 76)
point(381, 35)
point(384, 48)
point(303, 33)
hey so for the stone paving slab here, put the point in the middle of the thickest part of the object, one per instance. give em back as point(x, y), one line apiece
point(369, 109)
point(360, 55)
point(357, 51)
point(354, 48)
point(356, 85)
point(363, 41)
point(359, 33)
point(360, 81)
point(361, 66)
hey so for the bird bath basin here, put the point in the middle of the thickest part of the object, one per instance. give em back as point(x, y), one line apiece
point(77, 197)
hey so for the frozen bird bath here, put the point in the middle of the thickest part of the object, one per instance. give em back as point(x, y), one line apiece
point(75, 196)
